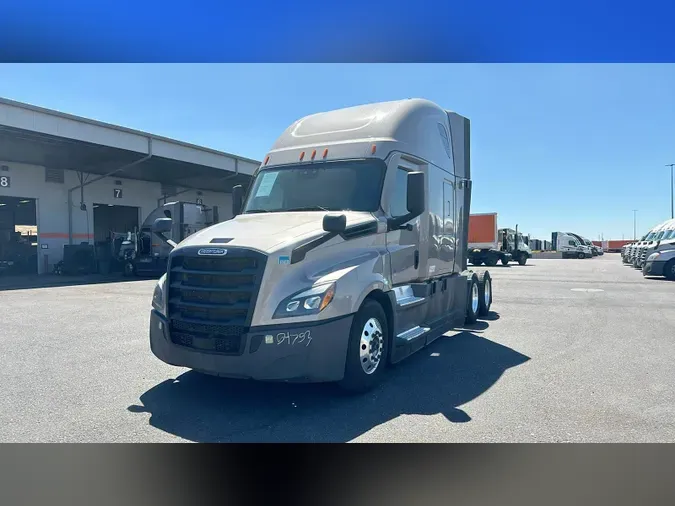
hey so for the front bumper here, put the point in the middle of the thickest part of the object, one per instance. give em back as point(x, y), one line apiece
point(306, 352)
point(653, 268)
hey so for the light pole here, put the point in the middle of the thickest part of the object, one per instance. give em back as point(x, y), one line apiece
point(672, 214)
point(635, 224)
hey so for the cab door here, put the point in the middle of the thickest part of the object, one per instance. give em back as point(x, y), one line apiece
point(403, 244)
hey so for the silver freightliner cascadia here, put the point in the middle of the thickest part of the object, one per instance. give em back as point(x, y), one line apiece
point(346, 254)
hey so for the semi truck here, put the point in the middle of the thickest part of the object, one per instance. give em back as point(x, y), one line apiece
point(586, 242)
point(661, 263)
point(663, 239)
point(570, 245)
point(347, 253)
point(634, 250)
point(150, 255)
point(489, 245)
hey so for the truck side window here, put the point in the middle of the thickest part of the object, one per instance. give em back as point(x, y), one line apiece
point(398, 205)
point(571, 243)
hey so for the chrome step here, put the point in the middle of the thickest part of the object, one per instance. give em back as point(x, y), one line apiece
point(405, 296)
point(413, 333)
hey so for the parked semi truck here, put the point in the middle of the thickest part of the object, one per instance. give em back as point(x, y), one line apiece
point(634, 250)
point(661, 263)
point(570, 245)
point(662, 240)
point(489, 245)
point(347, 253)
point(586, 242)
point(150, 255)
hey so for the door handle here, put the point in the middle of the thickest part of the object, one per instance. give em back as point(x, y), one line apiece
point(417, 259)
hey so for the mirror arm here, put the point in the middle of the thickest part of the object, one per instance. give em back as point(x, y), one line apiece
point(400, 223)
point(166, 240)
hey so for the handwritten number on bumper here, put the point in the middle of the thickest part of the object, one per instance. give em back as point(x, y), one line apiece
point(294, 338)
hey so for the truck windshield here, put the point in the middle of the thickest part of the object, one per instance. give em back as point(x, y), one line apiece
point(328, 186)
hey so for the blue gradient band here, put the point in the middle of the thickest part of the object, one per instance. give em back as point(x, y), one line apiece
point(346, 30)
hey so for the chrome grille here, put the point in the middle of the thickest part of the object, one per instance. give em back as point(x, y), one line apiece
point(211, 299)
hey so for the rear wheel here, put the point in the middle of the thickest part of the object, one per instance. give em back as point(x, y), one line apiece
point(522, 259)
point(484, 293)
point(505, 261)
point(491, 261)
point(473, 301)
point(367, 350)
point(669, 270)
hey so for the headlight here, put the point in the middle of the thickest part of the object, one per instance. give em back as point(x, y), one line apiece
point(158, 301)
point(307, 302)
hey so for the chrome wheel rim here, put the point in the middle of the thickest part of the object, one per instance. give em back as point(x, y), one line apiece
point(371, 346)
point(488, 293)
point(474, 298)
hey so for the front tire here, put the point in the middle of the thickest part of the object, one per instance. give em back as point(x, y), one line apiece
point(581, 255)
point(368, 349)
point(669, 270)
point(522, 259)
point(491, 261)
point(505, 261)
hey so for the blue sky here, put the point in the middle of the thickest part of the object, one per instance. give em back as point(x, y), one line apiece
point(554, 147)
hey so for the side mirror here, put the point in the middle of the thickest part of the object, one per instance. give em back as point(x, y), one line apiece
point(415, 201)
point(415, 196)
point(162, 225)
point(237, 199)
point(335, 223)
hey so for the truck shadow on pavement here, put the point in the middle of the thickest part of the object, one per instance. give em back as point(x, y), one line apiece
point(449, 373)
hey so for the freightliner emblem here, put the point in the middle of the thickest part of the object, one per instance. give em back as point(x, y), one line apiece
point(212, 252)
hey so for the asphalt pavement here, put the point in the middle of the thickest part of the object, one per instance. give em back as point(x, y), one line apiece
point(574, 351)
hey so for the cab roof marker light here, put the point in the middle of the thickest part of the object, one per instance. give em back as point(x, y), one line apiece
point(325, 153)
point(302, 155)
point(267, 159)
point(313, 154)
point(373, 149)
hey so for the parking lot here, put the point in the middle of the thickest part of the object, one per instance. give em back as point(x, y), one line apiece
point(574, 350)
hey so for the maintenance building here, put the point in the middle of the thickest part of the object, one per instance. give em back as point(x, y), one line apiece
point(65, 179)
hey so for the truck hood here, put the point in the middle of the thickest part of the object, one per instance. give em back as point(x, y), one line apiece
point(268, 232)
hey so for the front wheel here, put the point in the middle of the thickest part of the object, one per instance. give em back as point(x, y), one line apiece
point(522, 259)
point(128, 269)
point(505, 261)
point(669, 270)
point(367, 350)
point(581, 255)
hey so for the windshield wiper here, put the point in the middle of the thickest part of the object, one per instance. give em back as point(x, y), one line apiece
point(306, 208)
point(253, 211)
